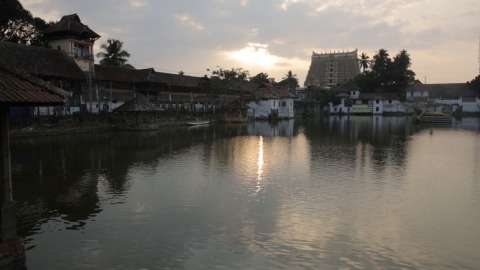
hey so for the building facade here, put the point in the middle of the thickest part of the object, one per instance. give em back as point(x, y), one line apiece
point(330, 69)
point(75, 38)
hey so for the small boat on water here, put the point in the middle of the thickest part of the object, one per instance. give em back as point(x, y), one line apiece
point(198, 123)
point(430, 117)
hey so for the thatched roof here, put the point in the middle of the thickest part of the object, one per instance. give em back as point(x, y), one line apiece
point(22, 89)
point(39, 60)
point(70, 26)
point(137, 104)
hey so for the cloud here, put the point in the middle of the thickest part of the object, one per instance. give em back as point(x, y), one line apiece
point(189, 21)
point(138, 3)
point(200, 34)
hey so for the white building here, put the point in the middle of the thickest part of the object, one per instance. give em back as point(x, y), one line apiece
point(444, 97)
point(270, 102)
point(352, 101)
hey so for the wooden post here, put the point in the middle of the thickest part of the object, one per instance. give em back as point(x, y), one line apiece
point(12, 251)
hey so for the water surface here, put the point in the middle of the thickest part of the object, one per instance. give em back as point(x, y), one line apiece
point(329, 193)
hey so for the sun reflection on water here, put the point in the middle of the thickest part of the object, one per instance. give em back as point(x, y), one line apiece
point(260, 165)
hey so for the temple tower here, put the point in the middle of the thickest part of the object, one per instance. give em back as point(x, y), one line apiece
point(330, 69)
point(75, 38)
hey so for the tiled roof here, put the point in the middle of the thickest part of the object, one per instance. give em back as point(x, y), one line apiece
point(71, 25)
point(137, 104)
point(381, 96)
point(22, 89)
point(269, 91)
point(445, 90)
point(175, 79)
point(120, 74)
point(346, 88)
point(39, 60)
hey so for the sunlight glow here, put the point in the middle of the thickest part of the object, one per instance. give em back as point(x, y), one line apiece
point(254, 54)
point(260, 165)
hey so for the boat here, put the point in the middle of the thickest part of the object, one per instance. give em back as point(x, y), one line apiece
point(198, 123)
point(432, 117)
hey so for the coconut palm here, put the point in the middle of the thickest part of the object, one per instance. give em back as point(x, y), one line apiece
point(381, 62)
point(364, 61)
point(114, 55)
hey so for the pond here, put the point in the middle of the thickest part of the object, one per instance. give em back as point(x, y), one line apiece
point(326, 193)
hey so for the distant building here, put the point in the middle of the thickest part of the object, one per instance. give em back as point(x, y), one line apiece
point(75, 38)
point(267, 101)
point(330, 69)
point(443, 97)
point(352, 101)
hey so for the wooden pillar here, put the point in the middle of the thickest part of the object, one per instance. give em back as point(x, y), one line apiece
point(12, 251)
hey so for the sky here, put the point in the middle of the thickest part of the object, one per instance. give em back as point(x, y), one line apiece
point(276, 36)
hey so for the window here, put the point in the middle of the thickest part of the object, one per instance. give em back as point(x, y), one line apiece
point(80, 50)
point(284, 104)
point(377, 109)
point(377, 101)
point(390, 101)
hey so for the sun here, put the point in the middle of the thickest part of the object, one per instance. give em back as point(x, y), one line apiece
point(254, 54)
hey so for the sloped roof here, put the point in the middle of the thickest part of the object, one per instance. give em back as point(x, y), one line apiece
point(39, 60)
point(71, 25)
point(22, 89)
point(269, 91)
point(445, 90)
point(236, 104)
point(137, 104)
point(381, 96)
point(121, 74)
point(346, 88)
point(175, 79)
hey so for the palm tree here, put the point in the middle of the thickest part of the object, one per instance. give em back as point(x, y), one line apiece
point(289, 80)
point(381, 62)
point(114, 55)
point(364, 61)
point(402, 60)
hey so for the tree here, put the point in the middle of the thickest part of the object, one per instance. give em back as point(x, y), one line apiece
point(13, 10)
point(475, 84)
point(260, 78)
point(234, 74)
point(386, 75)
point(224, 81)
point(290, 80)
point(364, 62)
point(17, 25)
point(114, 55)
point(401, 64)
point(322, 95)
point(381, 63)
